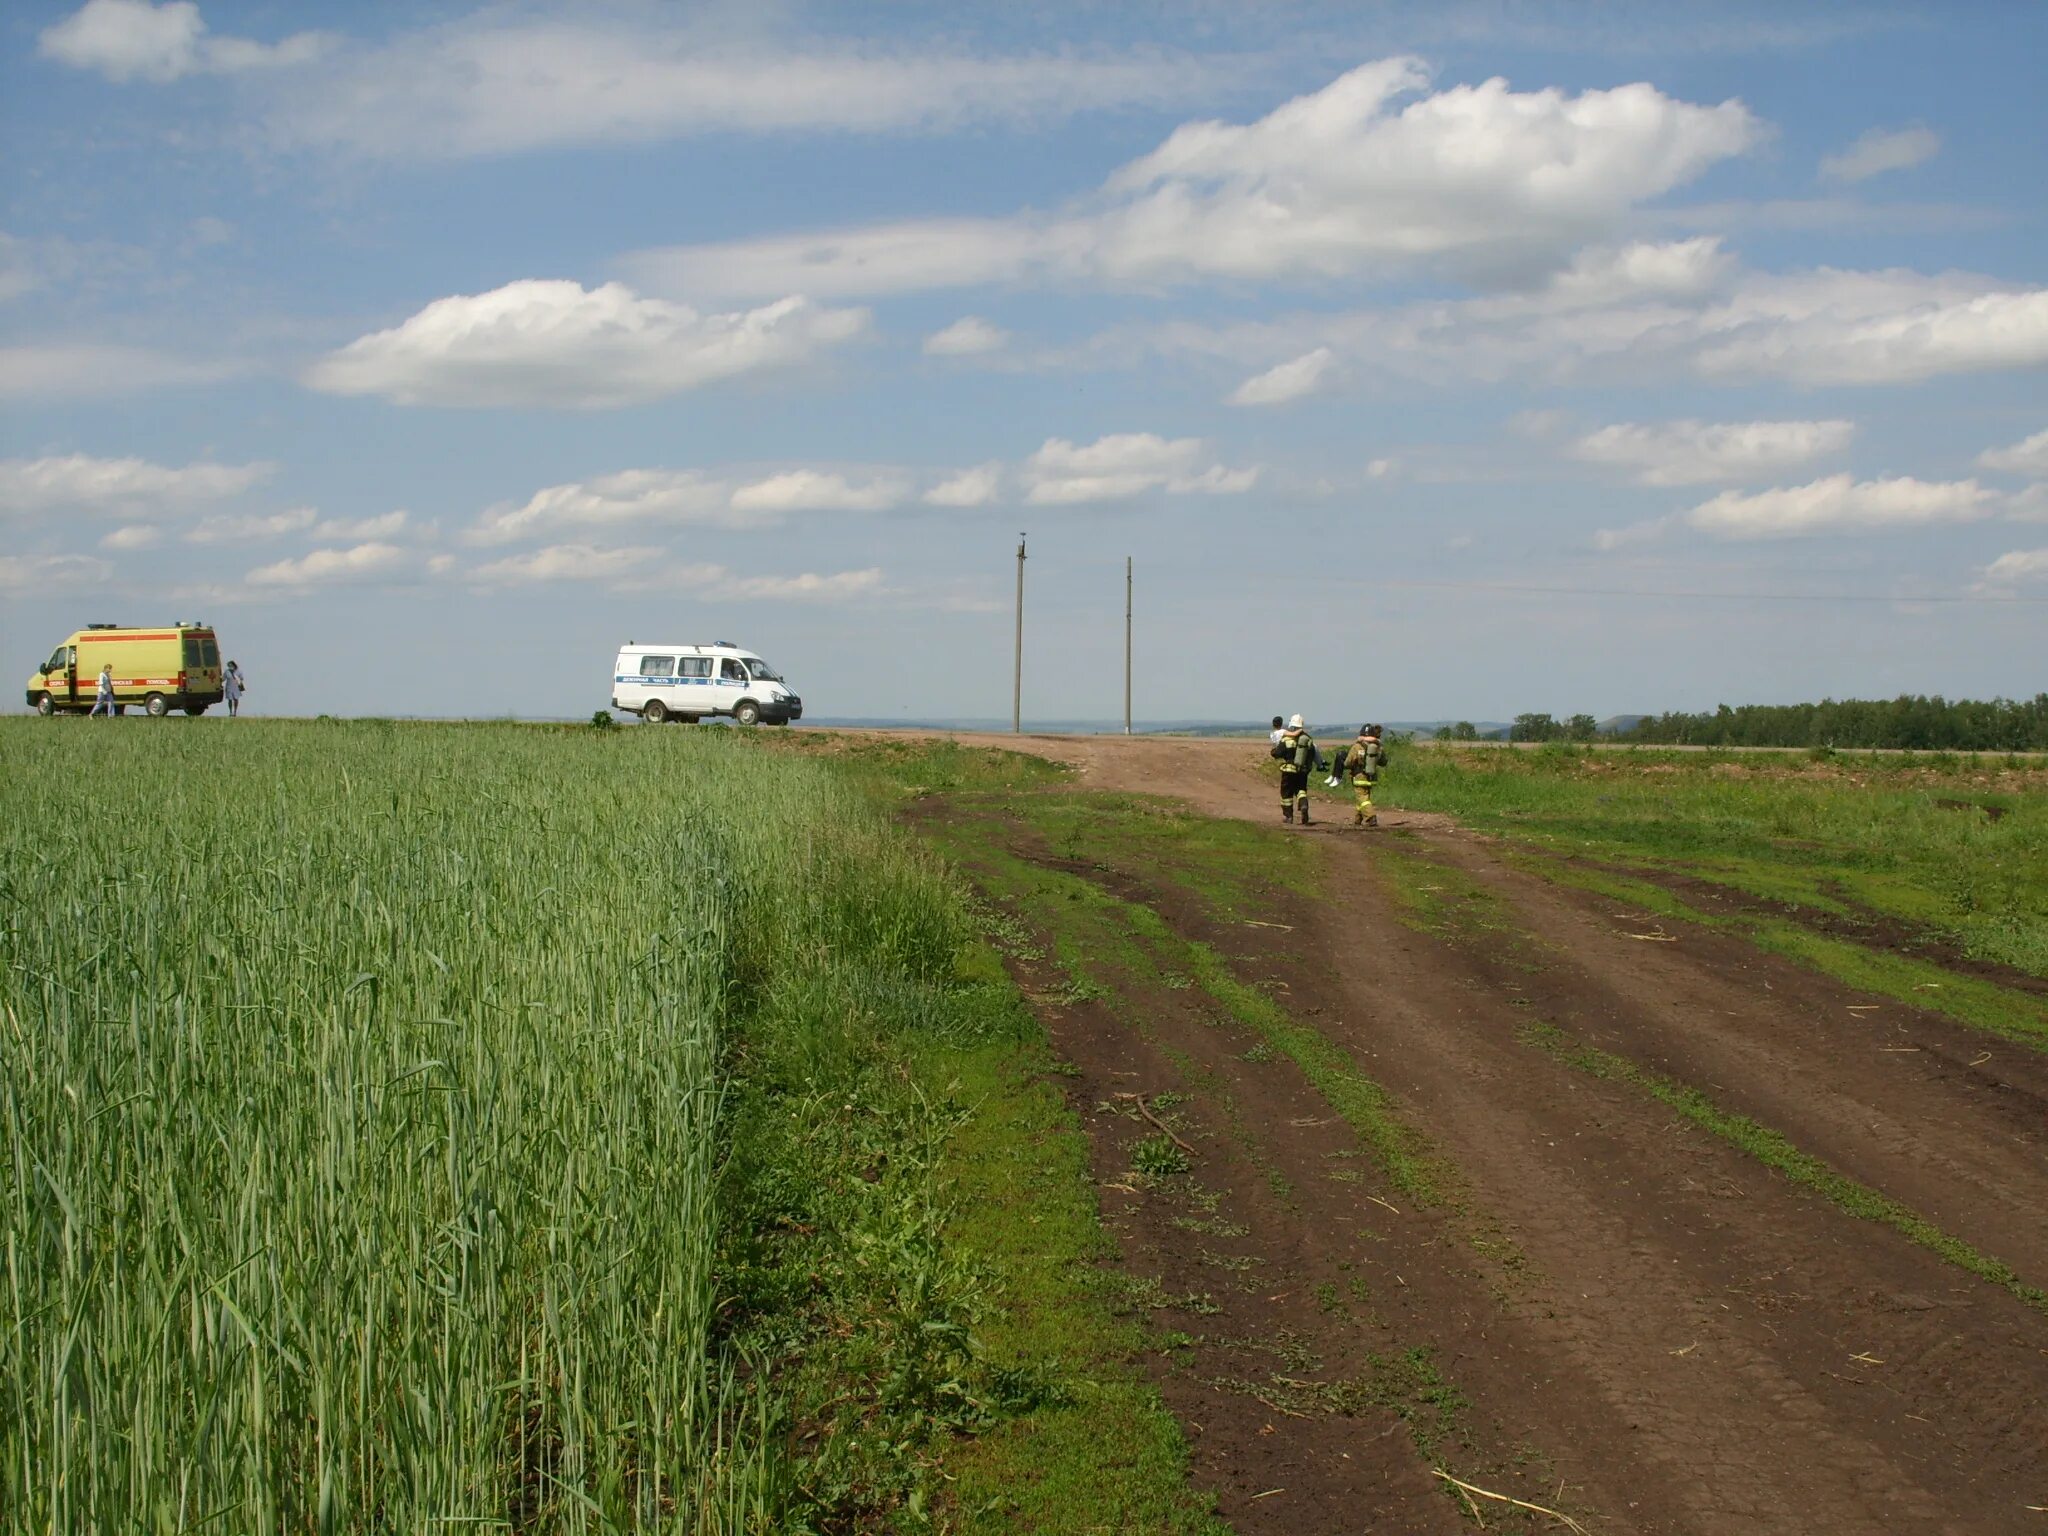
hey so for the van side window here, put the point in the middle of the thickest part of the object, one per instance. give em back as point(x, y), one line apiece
point(657, 666)
point(695, 666)
point(732, 671)
point(59, 659)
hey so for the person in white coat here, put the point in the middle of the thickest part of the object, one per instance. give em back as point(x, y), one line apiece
point(104, 699)
point(231, 685)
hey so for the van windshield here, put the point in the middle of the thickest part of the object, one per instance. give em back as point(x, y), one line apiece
point(761, 669)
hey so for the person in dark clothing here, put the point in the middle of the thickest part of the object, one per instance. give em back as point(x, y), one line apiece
point(1298, 756)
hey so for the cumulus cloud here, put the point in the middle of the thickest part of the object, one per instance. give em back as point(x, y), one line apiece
point(133, 536)
point(382, 526)
point(2025, 458)
point(1337, 183)
point(359, 564)
point(90, 370)
point(78, 482)
point(2016, 566)
point(134, 39)
point(810, 490)
point(968, 336)
point(486, 86)
point(1127, 464)
point(555, 344)
point(1882, 150)
point(631, 496)
point(256, 528)
point(1701, 452)
point(648, 567)
point(1837, 504)
point(1287, 381)
point(975, 487)
point(45, 573)
point(1656, 311)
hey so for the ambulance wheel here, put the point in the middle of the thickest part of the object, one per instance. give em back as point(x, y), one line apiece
point(656, 712)
point(45, 705)
point(156, 706)
point(195, 710)
point(747, 712)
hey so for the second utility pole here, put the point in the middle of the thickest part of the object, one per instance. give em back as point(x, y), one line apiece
point(1017, 682)
point(1127, 645)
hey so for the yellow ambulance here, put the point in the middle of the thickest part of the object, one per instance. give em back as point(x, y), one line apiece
point(175, 667)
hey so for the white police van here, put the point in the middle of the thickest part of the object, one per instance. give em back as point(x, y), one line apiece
point(689, 682)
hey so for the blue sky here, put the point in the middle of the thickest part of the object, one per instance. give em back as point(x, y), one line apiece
point(1428, 360)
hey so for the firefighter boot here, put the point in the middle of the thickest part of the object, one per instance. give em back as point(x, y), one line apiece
point(1287, 812)
point(1302, 800)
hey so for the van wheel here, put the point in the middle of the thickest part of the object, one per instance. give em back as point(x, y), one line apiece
point(747, 712)
point(689, 719)
point(156, 706)
point(656, 712)
point(45, 705)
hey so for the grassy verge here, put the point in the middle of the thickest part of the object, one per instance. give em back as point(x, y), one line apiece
point(1955, 845)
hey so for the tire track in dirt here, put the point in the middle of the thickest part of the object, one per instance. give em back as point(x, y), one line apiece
point(1700, 1345)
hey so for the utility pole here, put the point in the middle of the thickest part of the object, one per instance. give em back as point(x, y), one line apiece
point(1017, 682)
point(1127, 645)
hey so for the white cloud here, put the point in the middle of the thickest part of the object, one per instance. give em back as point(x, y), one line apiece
point(1333, 184)
point(807, 588)
point(134, 39)
point(1287, 381)
point(79, 482)
point(131, 537)
point(555, 344)
point(2029, 504)
point(968, 336)
point(571, 562)
point(2015, 566)
point(975, 487)
point(1882, 150)
point(486, 87)
point(1127, 464)
point(2026, 458)
point(662, 496)
point(89, 370)
point(1655, 312)
point(810, 490)
point(382, 526)
point(1700, 452)
point(647, 567)
point(43, 573)
point(256, 528)
point(359, 564)
point(1837, 504)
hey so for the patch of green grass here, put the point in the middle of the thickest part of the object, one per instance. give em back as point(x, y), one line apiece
point(1777, 1153)
point(1907, 836)
point(2001, 1011)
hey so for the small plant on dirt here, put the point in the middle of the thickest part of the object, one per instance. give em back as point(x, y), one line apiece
point(1328, 1299)
point(1263, 1051)
point(1158, 1157)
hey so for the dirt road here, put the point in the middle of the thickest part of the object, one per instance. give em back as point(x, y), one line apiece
point(1650, 1328)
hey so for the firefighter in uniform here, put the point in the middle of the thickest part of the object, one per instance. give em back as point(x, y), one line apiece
point(1362, 761)
point(1296, 750)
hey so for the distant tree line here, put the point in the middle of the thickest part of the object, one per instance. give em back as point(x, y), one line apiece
point(1910, 722)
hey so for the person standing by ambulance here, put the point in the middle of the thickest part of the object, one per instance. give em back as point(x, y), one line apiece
point(104, 699)
point(231, 685)
point(1296, 750)
point(1361, 763)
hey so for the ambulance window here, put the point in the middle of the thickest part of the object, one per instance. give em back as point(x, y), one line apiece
point(732, 671)
point(59, 659)
point(657, 666)
point(209, 652)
